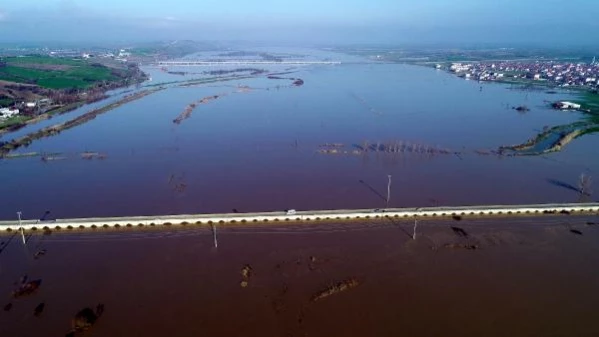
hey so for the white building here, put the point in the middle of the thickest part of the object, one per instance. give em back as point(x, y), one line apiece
point(123, 53)
point(458, 67)
point(7, 112)
point(568, 105)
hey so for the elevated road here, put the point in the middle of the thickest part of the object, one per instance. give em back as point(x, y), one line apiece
point(307, 216)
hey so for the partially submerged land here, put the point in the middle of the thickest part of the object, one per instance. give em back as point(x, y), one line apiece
point(551, 140)
point(33, 88)
point(188, 110)
point(528, 69)
point(191, 106)
point(7, 147)
point(54, 130)
point(579, 77)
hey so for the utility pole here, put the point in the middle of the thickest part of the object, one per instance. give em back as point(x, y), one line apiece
point(388, 190)
point(415, 225)
point(21, 228)
point(214, 234)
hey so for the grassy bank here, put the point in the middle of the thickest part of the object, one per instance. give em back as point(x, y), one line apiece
point(57, 73)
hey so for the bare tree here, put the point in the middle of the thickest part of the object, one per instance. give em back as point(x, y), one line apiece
point(388, 190)
point(365, 146)
point(584, 184)
point(415, 226)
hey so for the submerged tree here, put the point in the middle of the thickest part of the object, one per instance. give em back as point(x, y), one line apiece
point(584, 185)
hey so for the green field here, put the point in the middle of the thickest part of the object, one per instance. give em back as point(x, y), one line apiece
point(43, 60)
point(54, 73)
point(12, 121)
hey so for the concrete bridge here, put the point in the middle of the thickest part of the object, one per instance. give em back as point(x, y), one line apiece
point(307, 216)
point(199, 63)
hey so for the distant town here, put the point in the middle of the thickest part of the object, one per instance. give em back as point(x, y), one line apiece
point(553, 73)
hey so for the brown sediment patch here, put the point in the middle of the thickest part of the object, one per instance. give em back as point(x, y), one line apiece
point(27, 288)
point(336, 289)
point(185, 114)
point(85, 319)
point(460, 246)
point(246, 274)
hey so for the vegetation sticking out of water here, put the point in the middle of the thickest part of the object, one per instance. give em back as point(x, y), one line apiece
point(335, 289)
point(392, 147)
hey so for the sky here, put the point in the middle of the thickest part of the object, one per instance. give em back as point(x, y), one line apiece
point(542, 22)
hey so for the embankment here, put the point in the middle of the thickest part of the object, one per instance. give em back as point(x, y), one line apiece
point(58, 128)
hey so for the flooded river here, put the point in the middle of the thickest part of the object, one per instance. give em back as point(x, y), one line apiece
point(511, 277)
point(253, 145)
point(255, 148)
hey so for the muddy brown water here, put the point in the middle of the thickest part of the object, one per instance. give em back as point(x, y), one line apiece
point(526, 277)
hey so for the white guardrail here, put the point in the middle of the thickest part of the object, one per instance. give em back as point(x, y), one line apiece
point(305, 216)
